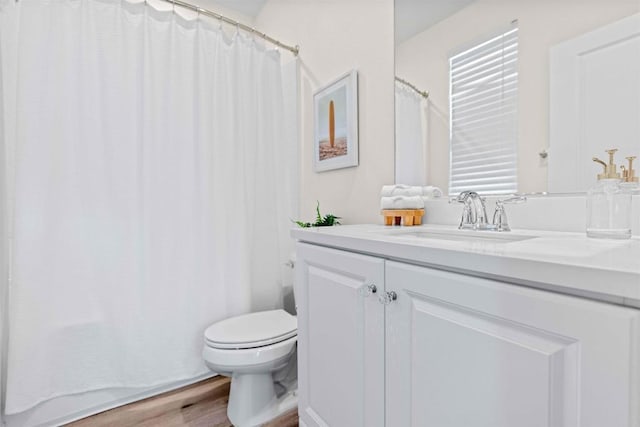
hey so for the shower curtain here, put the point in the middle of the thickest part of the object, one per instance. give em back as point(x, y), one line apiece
point(150, 167)
point(411, 148)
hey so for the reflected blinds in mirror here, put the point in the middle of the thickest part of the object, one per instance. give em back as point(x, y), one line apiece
point(483, 111)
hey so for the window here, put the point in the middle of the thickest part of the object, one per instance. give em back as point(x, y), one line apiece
point(483, 110)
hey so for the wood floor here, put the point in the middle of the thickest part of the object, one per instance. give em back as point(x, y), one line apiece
point(203, 404)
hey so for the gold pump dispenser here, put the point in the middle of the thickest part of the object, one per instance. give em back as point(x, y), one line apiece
point(609, 202)
point(609, 169)
point(629, 174)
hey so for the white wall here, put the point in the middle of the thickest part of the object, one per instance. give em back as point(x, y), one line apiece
point(336, 36)
point(423, 60)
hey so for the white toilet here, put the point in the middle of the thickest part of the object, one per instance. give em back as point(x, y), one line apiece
point(258, 352)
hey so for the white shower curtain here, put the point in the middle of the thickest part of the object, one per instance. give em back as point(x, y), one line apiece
point(411, 150)
point(151, 168)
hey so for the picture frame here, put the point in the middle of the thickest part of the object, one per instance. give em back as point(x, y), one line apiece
point(335, 114)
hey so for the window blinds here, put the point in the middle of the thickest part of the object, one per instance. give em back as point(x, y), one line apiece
point(483, 111)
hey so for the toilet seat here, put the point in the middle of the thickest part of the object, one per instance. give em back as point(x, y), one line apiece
point(252, 330)
point(249, 360)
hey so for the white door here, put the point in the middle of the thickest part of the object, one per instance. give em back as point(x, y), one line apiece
point(463, 351)
point(340, 338)
point(595, 103)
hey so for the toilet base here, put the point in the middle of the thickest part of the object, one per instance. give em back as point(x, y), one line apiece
point(253, 400)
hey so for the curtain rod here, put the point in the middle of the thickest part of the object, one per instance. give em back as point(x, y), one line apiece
point(293, 49)
point(423, 93)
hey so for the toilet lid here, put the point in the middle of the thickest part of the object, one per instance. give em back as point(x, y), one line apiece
point(252, 330)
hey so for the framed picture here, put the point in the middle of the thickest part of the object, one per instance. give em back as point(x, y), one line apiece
point(335, 112)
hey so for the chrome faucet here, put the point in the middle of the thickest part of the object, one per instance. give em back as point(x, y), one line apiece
point(474, 213)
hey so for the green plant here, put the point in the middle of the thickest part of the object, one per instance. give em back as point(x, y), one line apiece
point(321, 221)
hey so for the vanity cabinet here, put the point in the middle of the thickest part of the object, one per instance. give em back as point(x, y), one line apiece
point(454, 350)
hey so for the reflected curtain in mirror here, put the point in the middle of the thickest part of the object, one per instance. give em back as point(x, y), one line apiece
point(411, 142)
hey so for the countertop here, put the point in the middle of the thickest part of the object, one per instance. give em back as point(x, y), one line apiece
point(602, 269)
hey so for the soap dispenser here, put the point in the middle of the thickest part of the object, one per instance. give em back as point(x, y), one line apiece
point(608, 204)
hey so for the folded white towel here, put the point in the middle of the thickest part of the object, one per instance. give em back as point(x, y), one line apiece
point(400, 190)
point(402, 202)
point(410, 190)
point(431, 192)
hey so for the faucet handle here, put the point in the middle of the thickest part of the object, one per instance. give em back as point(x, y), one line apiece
point(513, 199)
point(500, 215)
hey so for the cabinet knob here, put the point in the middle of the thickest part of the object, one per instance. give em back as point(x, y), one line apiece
point(387, 298)
point(367, 290)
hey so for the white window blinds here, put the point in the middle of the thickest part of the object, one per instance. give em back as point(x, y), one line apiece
point(483, 111)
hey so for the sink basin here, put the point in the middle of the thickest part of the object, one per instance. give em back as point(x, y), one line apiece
point(460, 235)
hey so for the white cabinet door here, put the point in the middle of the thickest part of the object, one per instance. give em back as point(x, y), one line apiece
point(340, 338)
point(464, 351)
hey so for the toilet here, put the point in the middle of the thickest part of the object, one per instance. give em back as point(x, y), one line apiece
point(258, 351)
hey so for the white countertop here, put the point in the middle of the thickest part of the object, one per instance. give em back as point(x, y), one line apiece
point(603, 269)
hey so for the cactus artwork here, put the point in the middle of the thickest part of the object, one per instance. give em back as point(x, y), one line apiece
point(336, 124)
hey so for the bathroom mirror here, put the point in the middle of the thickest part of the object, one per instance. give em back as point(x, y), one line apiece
point(576, 91)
